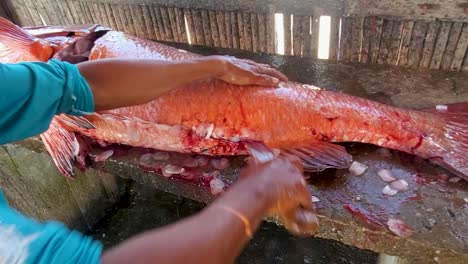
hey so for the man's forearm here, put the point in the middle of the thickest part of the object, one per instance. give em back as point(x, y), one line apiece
point(216, 235)
point(111, 80)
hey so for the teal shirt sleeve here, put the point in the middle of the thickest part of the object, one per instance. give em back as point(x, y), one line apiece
point(31, 93)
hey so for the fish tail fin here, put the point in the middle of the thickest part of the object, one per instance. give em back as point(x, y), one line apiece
point(15, 38)
point(62, 146)
point(446, 144)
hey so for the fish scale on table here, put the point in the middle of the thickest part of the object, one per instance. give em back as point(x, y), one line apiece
point(211, 117)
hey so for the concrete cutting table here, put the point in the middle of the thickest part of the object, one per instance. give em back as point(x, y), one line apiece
point(352, 209)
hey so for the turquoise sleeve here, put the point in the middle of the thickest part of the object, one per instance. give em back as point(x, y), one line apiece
point(24, 240)
point(31, 93)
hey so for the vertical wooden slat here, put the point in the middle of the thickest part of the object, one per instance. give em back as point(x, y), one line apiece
point(23, 17)
point(345, 42)
point(214, 28)
point(465, 64)
point(87, 12)
point(454, 35)
point(247, 31)
point(441, 44)
point(287, 34)
point(228, 29)
point(356, 38)
point(429, 44)
point(306, 36)
point(234, 30)
point(296, 35)
point(314, 38)
point(198, 26)
point(254, 28)
point(240, 29)
point(405, 42)
point(122, 18)
point(181, 25)
point(72, 6)
point(460, 51)
point(376, 25)
point(130, 19)
point(385, 41)
point(147, 17)
point(157, 22)
point(55, 14)
point(416, 44)
point(115, 10)
point(270, 31)
point(107, 19)
point(334, 38)
point(366, 40)
point(137, 20)
point(95, 13)
point(395, 43)
point(33, 12)
point(221, 29)
point(62, 19)
point(42, 8)
point(190, 26)
point(206, 28)
point(67, 6)
point(173, 24)
point(166, 23)
point(262, 33)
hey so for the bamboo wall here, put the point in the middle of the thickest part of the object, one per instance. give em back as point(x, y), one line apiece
point(427, 35)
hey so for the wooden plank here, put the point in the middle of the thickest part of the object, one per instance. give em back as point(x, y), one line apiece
point(137, 21)
point(405, 42)
point(107, 19)
point(158, 22)
point(460, 51)
point(441, 44)
point(228, 29)
point(198, 27)
point(214, 28)
point(287, 34)
point(306, 37)
point(31, 7)
point(345, 41)
point(150, 26)
point(180, 21)
point(395, 42)
point(190, 26)
point(173, 24)
point(417, 42)
point(296, 33)
point(42, 9)
point(110, 16)
point(387, 29)
point(334, 38)
point(465, 64)
point(234, 30)
point(454, 35)
point(254, 27)
point(20, 13)
point(314, 38)
point(376, 31)
point(72, 6)
point(86, 12)
point(61, 19)
point(95, 13)
point(429, 44)
point(122, 18)
point(247, 31)
point(270, 31)
point(166, 24)
point(221, 29)
point(206, 28)
point(366, 40)
point(115, 10)
point(130, 20)
point(240, 30)
point(255, 34)
point(68, 12)
point(356, 37)
point(262, 33)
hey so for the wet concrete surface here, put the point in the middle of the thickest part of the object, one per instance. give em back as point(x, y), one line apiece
point(145, 208)
point(353, 209)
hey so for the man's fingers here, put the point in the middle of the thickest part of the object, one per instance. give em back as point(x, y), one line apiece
point(264, 80)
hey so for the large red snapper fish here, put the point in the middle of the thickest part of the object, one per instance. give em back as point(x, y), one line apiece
point(211, 117)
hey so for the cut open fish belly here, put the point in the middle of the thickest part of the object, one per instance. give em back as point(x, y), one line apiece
point(215, 118)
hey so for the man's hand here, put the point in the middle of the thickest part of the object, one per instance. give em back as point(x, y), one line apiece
point(247, 72)
point(285, 192)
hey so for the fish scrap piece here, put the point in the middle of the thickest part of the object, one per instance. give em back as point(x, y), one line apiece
point(358, 168)
point(170, 170)
point(386, 175)
point(399, 228)
point(399, 185)
point(216, 186)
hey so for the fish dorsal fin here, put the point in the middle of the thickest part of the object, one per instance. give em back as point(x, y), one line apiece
point(321, 155)
point(13, 40)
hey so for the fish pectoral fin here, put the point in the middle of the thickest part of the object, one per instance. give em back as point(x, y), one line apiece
point(74, 122)
point(320, 155)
